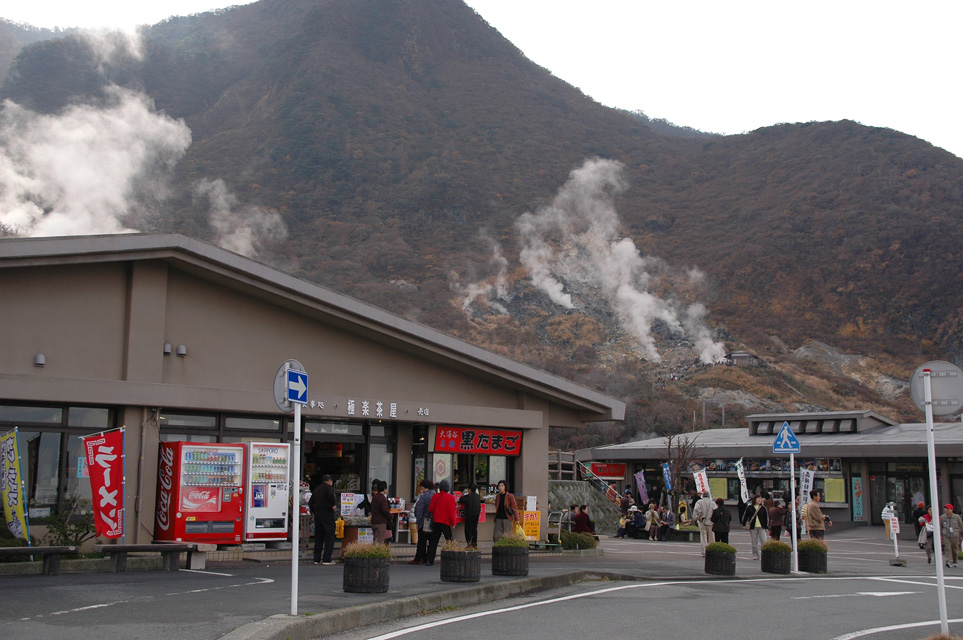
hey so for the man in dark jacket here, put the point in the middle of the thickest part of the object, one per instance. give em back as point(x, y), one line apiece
point(471, 502)
point(323, 504)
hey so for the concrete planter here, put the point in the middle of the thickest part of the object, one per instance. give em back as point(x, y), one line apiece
point(813, 561)
point(776, 561)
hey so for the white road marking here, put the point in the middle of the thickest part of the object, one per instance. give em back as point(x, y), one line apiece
point(207, 573)
point(875, 594)
point(895, 627)
point(925, 584)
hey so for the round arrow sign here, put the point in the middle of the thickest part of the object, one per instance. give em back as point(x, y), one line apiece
point(281, 385)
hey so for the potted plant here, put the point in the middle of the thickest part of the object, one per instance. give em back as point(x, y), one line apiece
point(460, 563)
point(776, 557)
point(366, 567)
point(720, 559)
point(813, 556)
point(510, 556)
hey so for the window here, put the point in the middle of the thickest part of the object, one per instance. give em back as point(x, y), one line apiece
point(51, 453)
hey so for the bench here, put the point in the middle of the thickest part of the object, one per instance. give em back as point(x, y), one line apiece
point(541, 545)
point(51, 556)
point(170, 553)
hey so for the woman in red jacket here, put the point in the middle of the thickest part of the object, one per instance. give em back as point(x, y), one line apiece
point(506, 512)
point(442, 510)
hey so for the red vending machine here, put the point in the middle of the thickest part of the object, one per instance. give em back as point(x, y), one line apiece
point(200, 493)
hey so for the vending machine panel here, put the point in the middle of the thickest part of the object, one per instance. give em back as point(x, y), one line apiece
point(200, 493)
point(268, 491)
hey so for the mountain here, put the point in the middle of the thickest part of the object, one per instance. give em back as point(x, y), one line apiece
point(404, 152)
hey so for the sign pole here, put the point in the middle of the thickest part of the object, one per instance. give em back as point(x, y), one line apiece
point(934, 500)
point(296, 507)
point(792, 496)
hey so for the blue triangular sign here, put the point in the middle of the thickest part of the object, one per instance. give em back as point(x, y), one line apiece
point(786, 441)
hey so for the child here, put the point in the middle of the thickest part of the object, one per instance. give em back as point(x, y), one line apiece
point(621, 532)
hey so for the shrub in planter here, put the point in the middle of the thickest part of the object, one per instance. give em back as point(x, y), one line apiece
point(460, 563)
point(776, 557)
point(366, 567)
point(813, 556)
point(572, 541)
point(720, 559)
point(510, 556)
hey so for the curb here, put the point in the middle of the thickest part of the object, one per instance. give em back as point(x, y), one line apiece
point(286, 627)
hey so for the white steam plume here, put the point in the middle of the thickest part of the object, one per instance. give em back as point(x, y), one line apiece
point(575, 240)
point(86, 170)
point(242, 231)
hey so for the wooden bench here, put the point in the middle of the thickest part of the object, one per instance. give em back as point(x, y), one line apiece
point(51, 556)
point(170, 554)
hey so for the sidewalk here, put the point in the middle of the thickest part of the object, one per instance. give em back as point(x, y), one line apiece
point(416, 589)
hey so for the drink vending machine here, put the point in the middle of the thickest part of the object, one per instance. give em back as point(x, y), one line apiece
point(268, 491)
point(200, 493)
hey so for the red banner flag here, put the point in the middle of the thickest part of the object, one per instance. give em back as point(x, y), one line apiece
point(105, 465)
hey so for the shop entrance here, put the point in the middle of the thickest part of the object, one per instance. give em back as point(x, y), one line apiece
point(904, 490)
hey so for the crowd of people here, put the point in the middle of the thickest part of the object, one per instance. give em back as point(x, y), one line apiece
point(951, 528)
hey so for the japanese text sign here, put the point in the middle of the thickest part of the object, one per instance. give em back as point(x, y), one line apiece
point(493, 442)
point(11, 486)
point(105, 464)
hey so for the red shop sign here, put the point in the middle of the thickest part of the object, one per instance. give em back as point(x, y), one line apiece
point(105, 464)
point(494, 442)
point(609, 469)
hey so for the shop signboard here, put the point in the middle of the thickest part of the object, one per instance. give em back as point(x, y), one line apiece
point(493, 442)
point(609, 470)
point(532, 521)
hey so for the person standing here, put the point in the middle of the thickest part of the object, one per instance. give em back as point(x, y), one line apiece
point(721, 519)
point(702, 514)
point(652, 521)
point(926, 522)
point(426, 493)
point(506, 512)
point(777, 519)
point(471, 501)
point(323, 505)
point(380, 510)
point(950, 527)
point(625, 503)
point(756, 519)
point(442, 510)
point(918, 513)
point(815, 520)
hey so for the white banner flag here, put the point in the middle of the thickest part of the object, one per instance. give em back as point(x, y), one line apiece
point(743, 489)
point(702, 481)
point(806, 479)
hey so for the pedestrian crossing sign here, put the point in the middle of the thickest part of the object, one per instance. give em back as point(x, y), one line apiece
point(786, 441)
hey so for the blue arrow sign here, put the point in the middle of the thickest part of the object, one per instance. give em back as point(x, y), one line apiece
point(786, 441)
point(297, 386)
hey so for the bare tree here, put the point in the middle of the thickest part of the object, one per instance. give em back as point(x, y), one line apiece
point(681, 450)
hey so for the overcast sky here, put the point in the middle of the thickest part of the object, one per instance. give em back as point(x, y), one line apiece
point(725, 67)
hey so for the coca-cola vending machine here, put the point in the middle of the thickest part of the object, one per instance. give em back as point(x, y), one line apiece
point(200, 493)
point(268, 491)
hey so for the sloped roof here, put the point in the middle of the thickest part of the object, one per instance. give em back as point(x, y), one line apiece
point(235, 271)
point(886, 439)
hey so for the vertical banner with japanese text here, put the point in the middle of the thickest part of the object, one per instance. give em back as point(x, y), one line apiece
point(105, 464)
point(11, 486)
point(741, 473)
point(667, 476)
point(807, 478)
point(643, 489)
point(702, 482)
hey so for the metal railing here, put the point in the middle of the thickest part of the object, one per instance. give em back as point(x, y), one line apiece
point(561, 465)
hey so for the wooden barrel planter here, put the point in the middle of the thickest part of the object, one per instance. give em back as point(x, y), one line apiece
point(366, 575)
point(460, 566)
point(813, 561)
point(776, 561)
point(510, 561)
point(720, 559)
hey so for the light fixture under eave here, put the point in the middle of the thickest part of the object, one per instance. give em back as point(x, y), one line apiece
point(39, 360)
point(181, 350)
point(168, 348)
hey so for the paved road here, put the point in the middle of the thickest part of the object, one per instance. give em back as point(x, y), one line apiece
point(207, 605)
point(902, 608)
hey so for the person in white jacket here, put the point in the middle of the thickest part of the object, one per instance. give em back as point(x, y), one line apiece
point(702, 515)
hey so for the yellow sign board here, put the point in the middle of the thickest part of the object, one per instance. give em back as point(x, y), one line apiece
point(532, 521)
